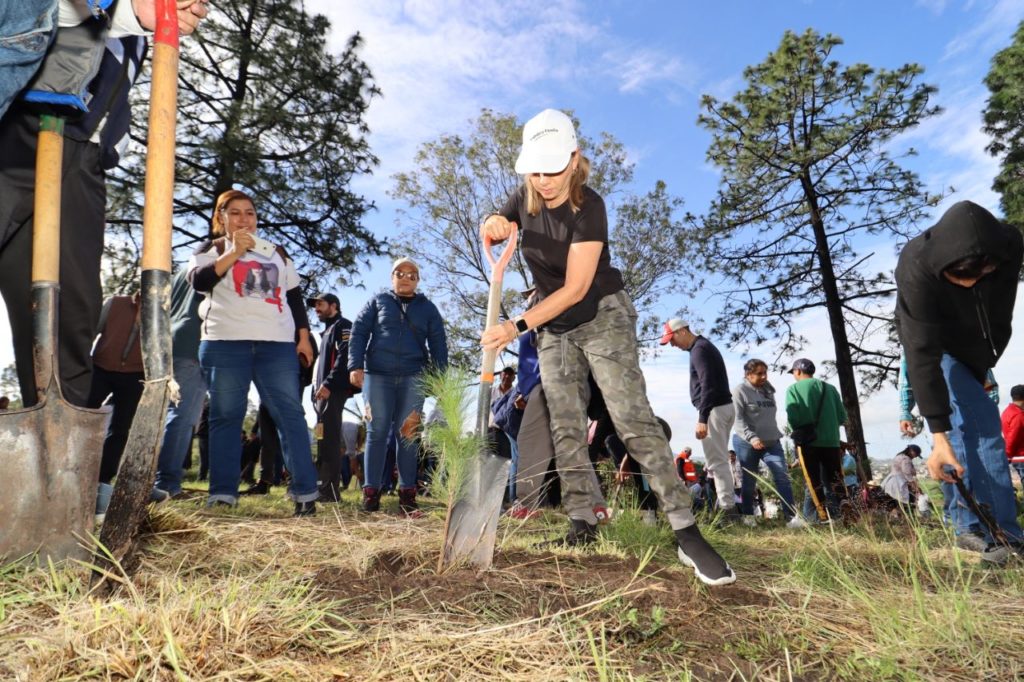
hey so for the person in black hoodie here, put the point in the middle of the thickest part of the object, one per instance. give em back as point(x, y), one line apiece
point(331, 389)
point(956, 286)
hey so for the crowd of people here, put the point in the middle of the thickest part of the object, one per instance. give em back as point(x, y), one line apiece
point(239, 319)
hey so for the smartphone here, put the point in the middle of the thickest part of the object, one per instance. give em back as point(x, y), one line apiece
point(262, 247)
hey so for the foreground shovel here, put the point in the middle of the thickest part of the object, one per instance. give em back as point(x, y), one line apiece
point(470, 528)
point(137, 471)
point(52, 450)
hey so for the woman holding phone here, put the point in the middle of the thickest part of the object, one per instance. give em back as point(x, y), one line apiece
point(254, 330)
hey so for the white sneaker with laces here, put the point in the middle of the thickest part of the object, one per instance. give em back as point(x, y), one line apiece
point(796, 522)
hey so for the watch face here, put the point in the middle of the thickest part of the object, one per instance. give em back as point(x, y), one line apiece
point(521, 325)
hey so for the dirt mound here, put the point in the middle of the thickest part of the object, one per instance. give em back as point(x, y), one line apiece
point(526, 585)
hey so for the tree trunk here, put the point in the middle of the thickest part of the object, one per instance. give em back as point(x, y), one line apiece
point(844, 361)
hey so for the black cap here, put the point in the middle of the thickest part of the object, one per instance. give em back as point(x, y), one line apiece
point(804, 365)
point(329, 298)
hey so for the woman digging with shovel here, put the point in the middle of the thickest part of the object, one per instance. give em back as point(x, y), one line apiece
point(587, 325)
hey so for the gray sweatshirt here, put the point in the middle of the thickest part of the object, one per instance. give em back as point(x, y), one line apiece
point(755, 412)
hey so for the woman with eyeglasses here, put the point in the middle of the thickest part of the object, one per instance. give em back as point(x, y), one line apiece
point(254, 330)
point(587, 324)
point(396, 336)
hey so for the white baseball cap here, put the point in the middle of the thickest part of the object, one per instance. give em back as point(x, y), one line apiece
point(549, 139)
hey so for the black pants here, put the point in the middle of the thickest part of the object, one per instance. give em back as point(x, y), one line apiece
point(332, 470)
point(825, 469)
point(83, 204)
point(271, 459)
point(124, 390)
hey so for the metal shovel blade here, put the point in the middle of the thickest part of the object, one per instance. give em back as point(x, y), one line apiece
point(473, 517)
point(48, 489)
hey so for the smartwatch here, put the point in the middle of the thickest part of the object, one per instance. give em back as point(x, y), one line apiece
point(521, 325)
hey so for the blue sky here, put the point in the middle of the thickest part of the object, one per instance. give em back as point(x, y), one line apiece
point(637, 70)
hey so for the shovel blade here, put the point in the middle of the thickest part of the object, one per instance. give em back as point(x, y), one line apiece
point(473, 516)
point(48, 490)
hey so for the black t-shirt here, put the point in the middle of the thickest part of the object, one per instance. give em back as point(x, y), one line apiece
point(546, 238)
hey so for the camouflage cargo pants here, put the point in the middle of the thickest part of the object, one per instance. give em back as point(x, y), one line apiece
point(607, 347)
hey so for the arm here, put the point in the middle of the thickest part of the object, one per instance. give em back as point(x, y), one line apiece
point(906, 394)
point(700, 360)
point(742, 427)
point(358, 341)
point(298, 311)
point(579, 275)
point(437, 340)
point(921, 335)
point(337, 376)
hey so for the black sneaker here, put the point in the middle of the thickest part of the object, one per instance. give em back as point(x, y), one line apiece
point(258, 488)
point(329, 493)
point(371, 499)
point(580, 534)
point(305, 509)
point(695, 552)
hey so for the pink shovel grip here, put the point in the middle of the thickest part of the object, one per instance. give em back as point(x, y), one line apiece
point(498, 266)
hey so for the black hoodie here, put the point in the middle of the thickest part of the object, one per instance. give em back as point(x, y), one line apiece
point(936, 317)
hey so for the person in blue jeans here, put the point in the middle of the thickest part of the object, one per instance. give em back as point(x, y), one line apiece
point(252, 312)
point(397, 336)
point(182, 415)
point(956, 285)
point(758, 439)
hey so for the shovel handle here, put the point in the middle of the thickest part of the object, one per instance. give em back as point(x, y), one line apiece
point(46, 216)
point(498, 265)
point(158, 212)
point(494, 295)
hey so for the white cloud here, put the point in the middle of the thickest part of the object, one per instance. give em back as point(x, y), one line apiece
point(1000, 21)
point(639, 69)
point(936, 7)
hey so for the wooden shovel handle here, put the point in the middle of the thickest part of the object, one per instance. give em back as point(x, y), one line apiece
point(46, 217)
point(158, 214)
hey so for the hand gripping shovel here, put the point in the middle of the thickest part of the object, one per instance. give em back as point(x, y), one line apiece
point(137, 471)
point(472, 521)
point(51, 450)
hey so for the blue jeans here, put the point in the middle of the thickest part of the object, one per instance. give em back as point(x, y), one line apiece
point(514, 470)
point(181, 419)
point(229, 368)
point(27, 26)
point(977, 440)
point(389, 401)
point(775, 459)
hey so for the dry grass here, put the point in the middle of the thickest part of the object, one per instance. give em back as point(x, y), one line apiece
point(254, 595)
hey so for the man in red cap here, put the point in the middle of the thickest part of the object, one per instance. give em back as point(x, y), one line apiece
point(711, 395)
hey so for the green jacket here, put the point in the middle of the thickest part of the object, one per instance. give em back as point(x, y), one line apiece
point(802, 400)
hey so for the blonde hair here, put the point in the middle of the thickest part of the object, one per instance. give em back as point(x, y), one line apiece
point(225, 198)
point(534, 201)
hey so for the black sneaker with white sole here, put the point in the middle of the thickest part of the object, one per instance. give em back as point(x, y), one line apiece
point(580, 534)
point(695, 552)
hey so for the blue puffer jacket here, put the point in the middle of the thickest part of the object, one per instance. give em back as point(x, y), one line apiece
point(387, 340)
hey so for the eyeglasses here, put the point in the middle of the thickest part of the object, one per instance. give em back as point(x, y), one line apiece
point(411, 276)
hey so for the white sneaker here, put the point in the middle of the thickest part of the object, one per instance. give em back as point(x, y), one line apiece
point(796, 522)
point(649, 517)
point(749, 521)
